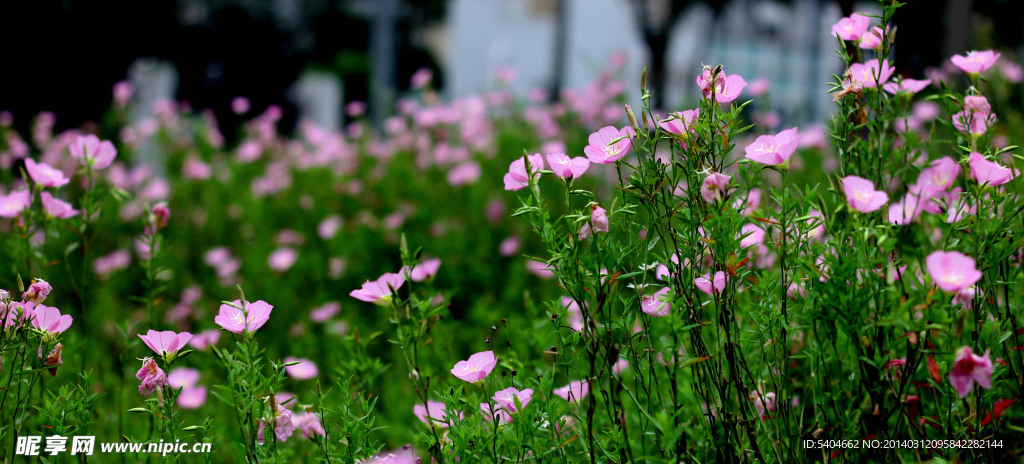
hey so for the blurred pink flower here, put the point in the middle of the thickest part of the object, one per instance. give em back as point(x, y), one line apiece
point(205, 339)
point(715, 187)
point(182, 377)
point(465, 173)
point(425, 270)
point(240, 105)
point(539, 269)
point(491, 413)
point(44, 174)
point(517, 178)
point(759, 87)
point(711, 286)
point(973, 122)
point(476, 368)
point(433, 414)
point(872, 40)
point(235, 320)
point(763, 403)
point(151, 375)
point(969, 368)
point(725, 88)
point(905, 211)
point(575, 391)
point(281, 420)
point(355, 109)
point(507, 398)
point(378, 291)
point(329, 227)
point(325, 312)
point(608, 144)
point(116, 260)
point(282, 259)
point(192, 397)
point(56, 208)
point(122, 91)
point(965, 297)
point(852, 27)
point(12, 204)
point(773, 150)
point(680, 124)
point(91, 151)
point(987, 172)
point(566, 167)
point(309, 424)
point(166, 342)
point(658, 304)
point(598, 218)
point(952, 271)
point(908, 86)
point(862, 196)
point(869, 74)
point(421, 78)
point(49, 320)
point(509, 246)
point(305, 369)
point(975, 62)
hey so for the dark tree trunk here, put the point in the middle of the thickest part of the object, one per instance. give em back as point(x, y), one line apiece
point(657, 46)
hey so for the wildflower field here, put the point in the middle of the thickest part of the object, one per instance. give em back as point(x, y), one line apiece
point(498, 279)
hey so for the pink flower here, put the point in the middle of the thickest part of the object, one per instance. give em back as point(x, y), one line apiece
point(904, 211)
point(182, 377)
point(309, 424)
point(705, 284)
point(282, 259)
point(975, 62)
point(575, 391)
point(939, 177)
point(716, 186)
point(281, 420)
point(167, 342)
point(658, 304)
point(598, 218)
point(773, 150)
point(861, 194)
point(852, 27)
point(476, 367)
point(507, 398)
point(421, 78)
point(123, 91)
point(235, 320)
point(44, 174)
point(12, 204)
point(425, 270)
point(952, 271)
point(53, 358)
point(56, 208)
point(517, 178)
point(325, 312)
point(305, 369)
point(566, 167)
point(759, 86)
point(724, 89)
point(50, 320)
point(151, 375)
point(973, 122)
point(869, 75)
point(205, 339)
point(608, 144)
point(491, 413)
point(680, 124)
point(965, 297)
point(37, 292)
point(509, 246)
point(433, 415)
point(378, 291)
point(91, 151)
point(908, 86)
point(192, 397)
point(329, 227)
point(873, 39)
point(764, 404)
point(987, 172)
point(969, 368)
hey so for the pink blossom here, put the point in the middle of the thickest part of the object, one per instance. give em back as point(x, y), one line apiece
point(507, 398)
point(598, 218)
point(724, 89)
point(12, 204)
point(235, 320)
point(987, 172)
point(325, 312)
point(421, 78)
point(53, 358)
point(750, 203)
point(752, 235)
point(49, 320)
point(862, 196)
point(166, 343)
point(869, 75)
point(329, 227)
point(116, 260)
point(517, 178)
point(491, 413)
point(608, 144)
point(309, 424)
point(433, 414)
point(305, 369)
point(763, 403)
point(773, 150)
point(151, 375)
point(873, 39)
point(195, 168)
point(282, 259)
point(680, 124)
point(938, 177)
point(969, 368)
point(281, 421)
point(205, 339)
point(240, 105)
point(907, 86)
point(975, 62)
point(91, 151)
point(1013, 72)
point(477, 367)
point(37, 291)
point(658, 304)
point(464, 173)
point(852, 27)
point(904, 211)
point(952, 271)
point(509, 246)
point(122, 91)
point(182, 377)
point(575, 391)
point(715, 187)
point(965, 297)
point(44, 174)
point(566, 167)
point(378, 291)
point(711, 286)
point(759, 87)
point(973, 123)
point(56, 208)
point(355, 109)
point(425, 270)
point(192, 397)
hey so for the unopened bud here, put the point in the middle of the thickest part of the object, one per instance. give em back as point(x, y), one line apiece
point(632, 119)
point(643, 79)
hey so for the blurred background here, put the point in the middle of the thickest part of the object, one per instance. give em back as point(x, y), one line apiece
point(311, 57)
